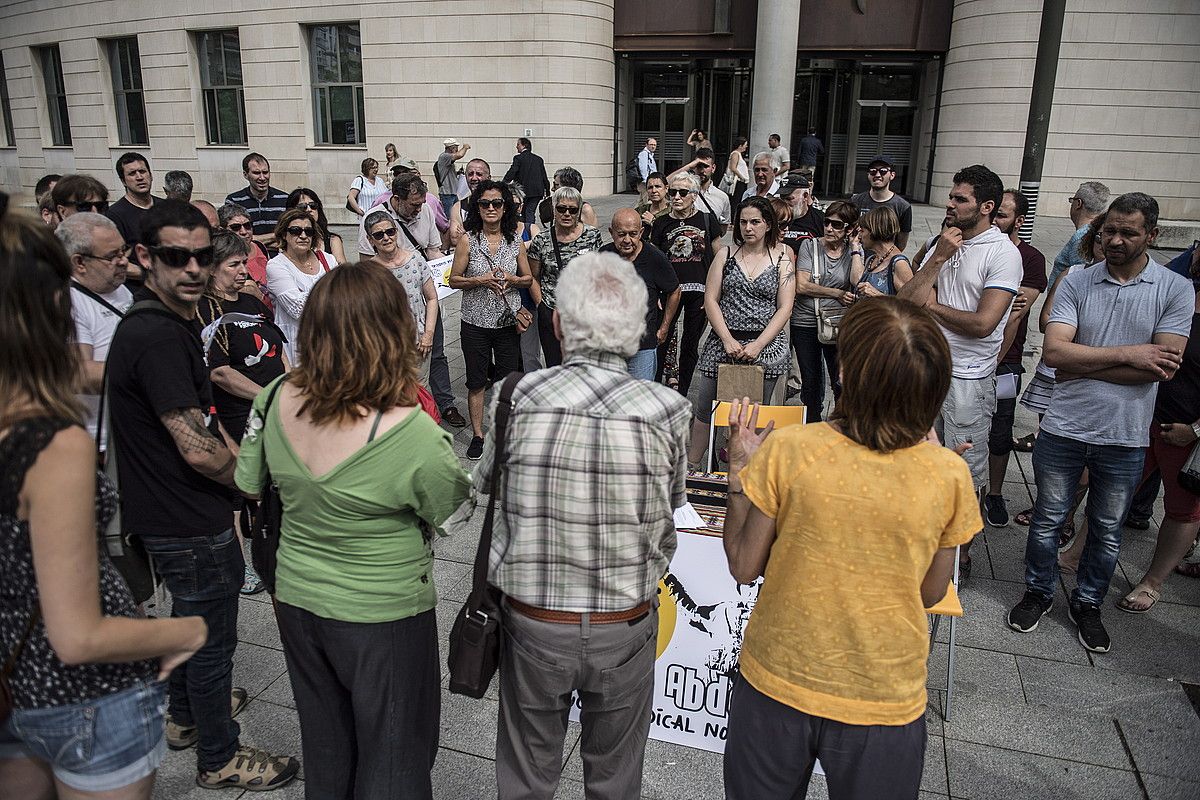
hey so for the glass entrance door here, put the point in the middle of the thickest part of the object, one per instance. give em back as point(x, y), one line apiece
point(663, 119)
point(885, 127)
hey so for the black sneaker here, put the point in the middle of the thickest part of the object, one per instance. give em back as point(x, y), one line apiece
point(475, 449)
point(1091, 630)
point(996, 510)
point(451, 417)
point(1137, 523)
point(1026, 614)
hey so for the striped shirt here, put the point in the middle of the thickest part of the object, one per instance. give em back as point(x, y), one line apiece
point(264, 214)
point(596, 466)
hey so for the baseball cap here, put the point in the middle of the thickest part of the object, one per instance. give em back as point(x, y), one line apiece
point(887, 162)
point(450, 142)
point(405, 163)
point(794, 182)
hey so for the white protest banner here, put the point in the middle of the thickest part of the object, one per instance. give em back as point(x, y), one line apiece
point(439, 268)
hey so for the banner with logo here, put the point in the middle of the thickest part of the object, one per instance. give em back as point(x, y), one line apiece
point(702, 615)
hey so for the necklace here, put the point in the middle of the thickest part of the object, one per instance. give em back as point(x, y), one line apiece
point(764, 263)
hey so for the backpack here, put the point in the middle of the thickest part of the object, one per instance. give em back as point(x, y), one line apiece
point(632, 173)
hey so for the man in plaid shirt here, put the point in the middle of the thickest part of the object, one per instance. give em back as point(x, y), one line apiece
point(596, 465)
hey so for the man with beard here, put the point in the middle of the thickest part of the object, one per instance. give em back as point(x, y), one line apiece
point(967, 282)
point(1013, 209)
point(1117, 329)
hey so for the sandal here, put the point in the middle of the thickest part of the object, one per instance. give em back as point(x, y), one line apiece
point(1190, 569)
point(1126, 603)
point(1025, 443)
point(1067, 535)
point(1024, 518)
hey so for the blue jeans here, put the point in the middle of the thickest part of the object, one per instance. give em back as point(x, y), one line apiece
point(96, 745)
point(644, 364)
point(1114, 473)
point(448, 201)
point(204, 575)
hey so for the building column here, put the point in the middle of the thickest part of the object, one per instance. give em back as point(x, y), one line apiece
point(775, 44)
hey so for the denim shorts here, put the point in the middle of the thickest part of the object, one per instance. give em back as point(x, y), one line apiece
point(97, 746)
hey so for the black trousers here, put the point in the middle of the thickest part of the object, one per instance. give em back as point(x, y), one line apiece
point(369, 699)
point(551, 347)
point(691, 308)
point(771, 748)
point(810, 351)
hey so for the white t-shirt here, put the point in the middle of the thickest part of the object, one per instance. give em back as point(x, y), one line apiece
point(290, 287)
point(988, 261)
point(782, 154)
point(95, 325)
point(369, 192)
point(713, 201)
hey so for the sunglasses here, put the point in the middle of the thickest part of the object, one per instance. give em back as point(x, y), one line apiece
point(307, 206)
point(878, 171)
point(296, 230)
point(240, 226)
point(497, 203)
point(98, 206)
point(836, 224)
point(572, 210)
point(178, 257)
point(386, 233)
point(679, 192)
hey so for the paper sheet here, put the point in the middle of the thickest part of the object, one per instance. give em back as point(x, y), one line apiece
point(686, 517)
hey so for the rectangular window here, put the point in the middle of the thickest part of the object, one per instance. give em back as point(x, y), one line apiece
point(221, 84)
point(126, 66)
point(56, 95)
point(10, 138)
point(336, 53)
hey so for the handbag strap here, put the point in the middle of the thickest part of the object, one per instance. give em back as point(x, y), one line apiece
point(499, 456)
point(558, 259)
point(84, 290)
point(412, 239)
point(11, 663)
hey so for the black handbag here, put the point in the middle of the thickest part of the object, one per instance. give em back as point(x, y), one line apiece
point(268, 521)
point(6, 698)
point(475, 638)
point(1189, 473)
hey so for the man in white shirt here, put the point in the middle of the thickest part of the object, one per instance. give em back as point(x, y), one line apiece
point(99, 298)
point(780, 152)
point(710, 199)
point(645, 161)
point(766, 180)
point(976, 270)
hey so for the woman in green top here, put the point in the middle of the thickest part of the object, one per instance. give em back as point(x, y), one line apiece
point(366, 478)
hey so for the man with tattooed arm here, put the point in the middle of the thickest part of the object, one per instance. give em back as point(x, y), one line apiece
point(176, 478)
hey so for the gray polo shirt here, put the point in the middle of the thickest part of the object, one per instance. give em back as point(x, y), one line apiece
point(1106, 313)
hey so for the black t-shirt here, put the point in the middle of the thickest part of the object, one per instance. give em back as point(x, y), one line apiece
point(1179, 398)
point(155, 365)
point(810, 225)
point(864, 203)
point(128, 219)
point(1034, 277)
point(690, 244)
point(653, 267)
point(253, 347)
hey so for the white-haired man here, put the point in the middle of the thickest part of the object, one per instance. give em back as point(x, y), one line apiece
point(588, 537)
point(766, 176)
point(99, 298)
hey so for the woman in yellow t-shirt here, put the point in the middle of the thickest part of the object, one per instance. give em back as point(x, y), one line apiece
point(853, 523)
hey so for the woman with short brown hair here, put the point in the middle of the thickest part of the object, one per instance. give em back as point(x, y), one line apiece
point(853, 523)
point(365, 478)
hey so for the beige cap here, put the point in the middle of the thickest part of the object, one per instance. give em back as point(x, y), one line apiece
point(450, 142)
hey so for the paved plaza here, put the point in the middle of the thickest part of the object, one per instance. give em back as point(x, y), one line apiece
point(1034, 715)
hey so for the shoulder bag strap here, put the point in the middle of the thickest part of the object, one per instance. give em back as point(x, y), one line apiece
point(557, 253)
point(411, 238)
point(499, 456)
point(11, 663)
point(707, 205)
point(77, 285)
point(321, 258)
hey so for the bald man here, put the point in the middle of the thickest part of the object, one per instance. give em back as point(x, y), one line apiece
point(662, 286)
point(210, 213)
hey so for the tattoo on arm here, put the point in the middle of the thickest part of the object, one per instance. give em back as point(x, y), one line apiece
point(186, 426)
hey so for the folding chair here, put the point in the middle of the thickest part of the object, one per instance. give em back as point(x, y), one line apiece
point(948, 606)
point(780, 415)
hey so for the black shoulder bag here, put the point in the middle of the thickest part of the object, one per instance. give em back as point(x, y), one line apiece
point(267, 523)
point(476, 635)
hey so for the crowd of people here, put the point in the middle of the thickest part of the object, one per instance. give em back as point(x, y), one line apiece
point(165, 365)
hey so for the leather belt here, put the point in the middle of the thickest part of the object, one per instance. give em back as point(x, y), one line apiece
point(575, 618)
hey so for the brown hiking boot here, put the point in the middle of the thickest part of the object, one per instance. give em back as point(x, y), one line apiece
point(253, 770)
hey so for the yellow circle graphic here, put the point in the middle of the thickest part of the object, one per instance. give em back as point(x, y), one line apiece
point(666, 618)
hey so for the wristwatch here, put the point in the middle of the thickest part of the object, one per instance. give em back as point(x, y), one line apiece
point(1196, 429)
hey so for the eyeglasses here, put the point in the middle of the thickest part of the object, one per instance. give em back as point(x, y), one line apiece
point(497, 203)
point(568, 210)
point(236, 227)
point(878, 171)
point(679, 192)
point(296, 230)
point(386, 233)
point(1073, 199)
point(836, 224)
point(307, 206)
point(98, 206)
point(178, 257)
point(111, 258)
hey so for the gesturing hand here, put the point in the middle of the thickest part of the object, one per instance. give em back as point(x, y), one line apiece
point(948, 244)
point(744, 438)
